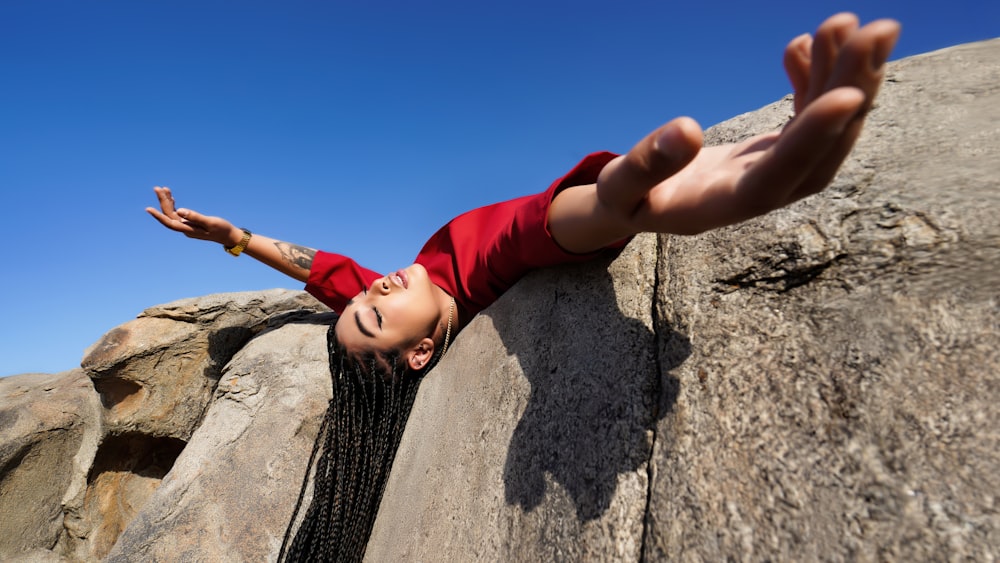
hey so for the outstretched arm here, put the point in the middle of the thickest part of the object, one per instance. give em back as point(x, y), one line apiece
point(668, 184)
point(290, 259)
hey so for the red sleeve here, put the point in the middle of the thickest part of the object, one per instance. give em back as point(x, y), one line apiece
point(480, 254)
point(336, 279)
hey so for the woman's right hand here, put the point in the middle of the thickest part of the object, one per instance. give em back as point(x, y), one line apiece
point(191, 223)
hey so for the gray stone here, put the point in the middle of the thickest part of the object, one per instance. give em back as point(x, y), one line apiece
point(230, 494)
point(827, 380)
point(842, 399)
point(49, 426)
point(77, 464)
point(530, 441)
point(156, 374)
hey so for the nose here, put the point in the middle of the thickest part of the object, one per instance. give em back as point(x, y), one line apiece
point(382, 286)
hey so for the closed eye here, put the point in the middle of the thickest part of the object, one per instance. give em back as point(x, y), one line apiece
point(378, 317)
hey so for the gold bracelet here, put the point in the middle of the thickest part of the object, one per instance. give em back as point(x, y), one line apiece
point(241, 246)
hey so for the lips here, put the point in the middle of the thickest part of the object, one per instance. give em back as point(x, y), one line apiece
point(399, 278)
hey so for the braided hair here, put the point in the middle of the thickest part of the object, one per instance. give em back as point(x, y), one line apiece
point(352, 455)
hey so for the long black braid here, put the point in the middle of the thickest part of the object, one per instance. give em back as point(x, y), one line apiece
point(352, 455)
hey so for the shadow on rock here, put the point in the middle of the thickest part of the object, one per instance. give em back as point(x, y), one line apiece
point(595, 389)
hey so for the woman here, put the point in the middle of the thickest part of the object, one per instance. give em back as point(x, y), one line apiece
point(667, 183)
point(395, 326)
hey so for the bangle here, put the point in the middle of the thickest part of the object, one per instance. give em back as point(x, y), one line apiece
point(240, 246)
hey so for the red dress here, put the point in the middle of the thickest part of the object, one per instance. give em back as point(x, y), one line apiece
point(477, 256)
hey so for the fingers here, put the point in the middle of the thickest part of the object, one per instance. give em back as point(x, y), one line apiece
point(163, 219)
point(191, 223)
point(166, 215)
point(194, 219)
point(860, 64)
point(806, 155)
point(625, 182)
point(175, 222)
point(830, 36)
point(841, 54)
point(166, 200)
point(797, 64)
point(862, 58)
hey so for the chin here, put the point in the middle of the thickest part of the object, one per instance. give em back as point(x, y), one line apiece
point(417, 274)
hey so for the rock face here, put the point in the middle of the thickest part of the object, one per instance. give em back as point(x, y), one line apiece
point(547, 444)
point(842, 397)
point(49, 428)
point(88, 454)
point(230, 494)
point(820, 383)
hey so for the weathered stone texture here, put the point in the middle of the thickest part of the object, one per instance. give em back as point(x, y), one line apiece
point(841, 398)
point(156, 374)
point(231, 492)
point(86, 462)
point(514, 452)
point(49, 426)
point(828, 383)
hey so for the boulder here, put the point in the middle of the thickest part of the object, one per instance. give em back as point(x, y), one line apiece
point(230, 494)
point(49, 428)
point(842, 396)
point(818, 383)
point(87, 450)
point(531, 440)
point(156, 374)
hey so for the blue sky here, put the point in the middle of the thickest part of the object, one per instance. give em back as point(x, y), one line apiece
point(355, 127)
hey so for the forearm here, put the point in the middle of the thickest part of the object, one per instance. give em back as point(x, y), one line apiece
point(290, 259)
point(580, 223)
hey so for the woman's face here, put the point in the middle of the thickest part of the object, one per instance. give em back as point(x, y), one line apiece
point(395, 313)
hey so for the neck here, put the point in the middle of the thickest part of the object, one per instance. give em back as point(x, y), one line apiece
point(443, 300)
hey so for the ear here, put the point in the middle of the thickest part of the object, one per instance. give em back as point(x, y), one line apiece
point(421, 353)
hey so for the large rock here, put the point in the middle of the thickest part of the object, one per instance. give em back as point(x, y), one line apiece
point(49, 428)
point(842, 397)
point(821, 383)
point(230, 494)
point(78, 464)
point(156, 374)
point(531, 440)
point(828, 380)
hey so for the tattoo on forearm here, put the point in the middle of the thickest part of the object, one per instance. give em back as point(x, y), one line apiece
point(298, 256)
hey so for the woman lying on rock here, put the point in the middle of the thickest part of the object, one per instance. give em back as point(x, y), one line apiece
point(394, 327)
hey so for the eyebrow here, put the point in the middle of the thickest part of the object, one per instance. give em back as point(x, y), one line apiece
point(361, 327)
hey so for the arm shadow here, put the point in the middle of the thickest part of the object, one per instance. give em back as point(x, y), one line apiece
point(596, 389)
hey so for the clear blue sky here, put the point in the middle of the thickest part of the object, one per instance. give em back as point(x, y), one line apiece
point(356, 127)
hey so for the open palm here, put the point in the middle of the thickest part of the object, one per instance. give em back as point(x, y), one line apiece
point(835, 77)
